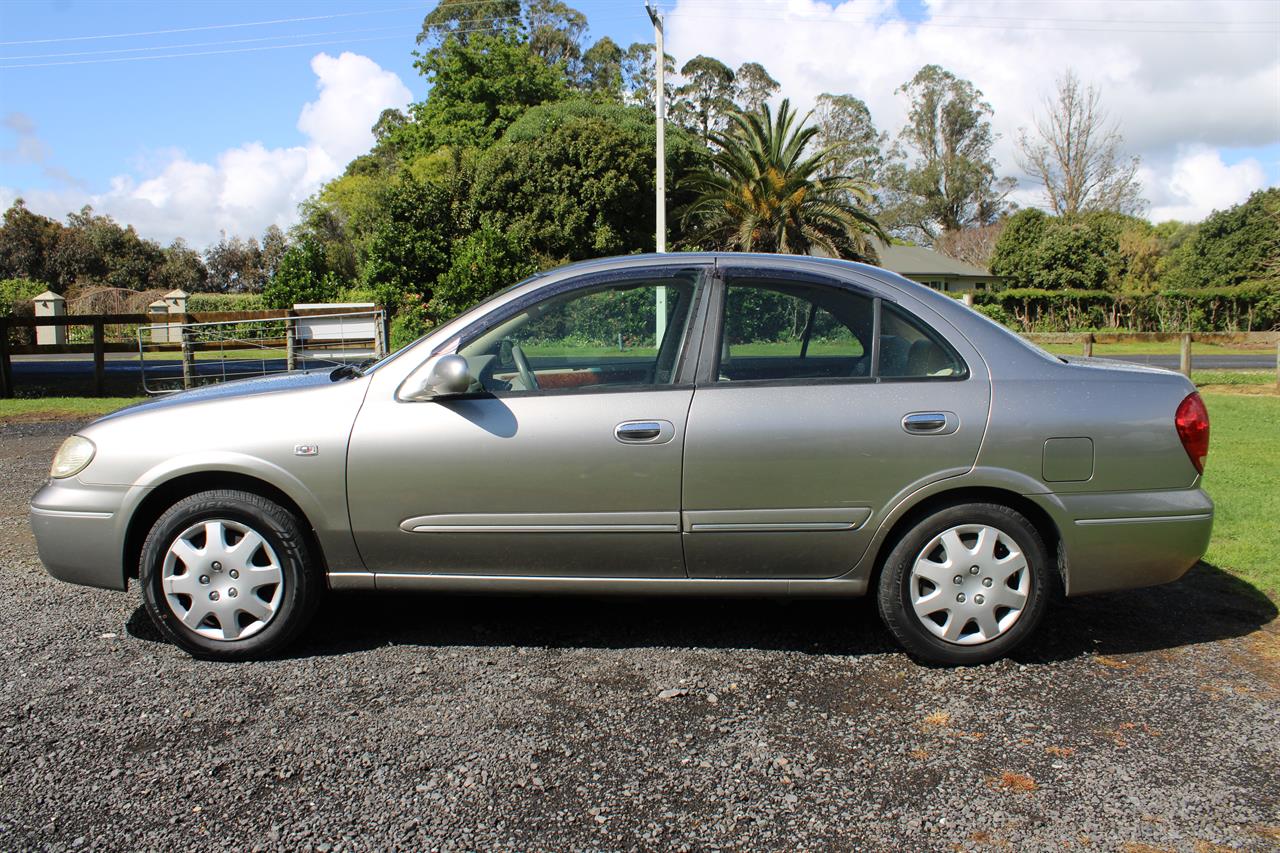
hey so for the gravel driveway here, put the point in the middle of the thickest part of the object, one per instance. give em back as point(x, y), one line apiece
point(1137, 721)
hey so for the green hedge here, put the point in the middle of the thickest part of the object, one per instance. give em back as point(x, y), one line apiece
point(204, 302)
point(1248, 307)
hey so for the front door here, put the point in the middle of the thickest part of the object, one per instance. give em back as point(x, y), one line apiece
point(822, 404)
point(565, 461)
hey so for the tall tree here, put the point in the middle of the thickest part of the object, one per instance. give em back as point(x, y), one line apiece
point(555, 32)
point(706, 96)
point(845, 127)
point(763, 190)
point(944, 177)
point(639, 73)
point(180, 269)
point(1075, 154)
point(27, 245)
point(478, 87)
point(576, 179)
point(463, 19)
point(234, 265)
point(601, 72)
point(752, 86)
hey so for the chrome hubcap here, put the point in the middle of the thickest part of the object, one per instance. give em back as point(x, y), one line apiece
point(970, 584)
point(222, 580)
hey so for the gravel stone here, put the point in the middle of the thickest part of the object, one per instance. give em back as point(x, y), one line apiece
point(1143, 720)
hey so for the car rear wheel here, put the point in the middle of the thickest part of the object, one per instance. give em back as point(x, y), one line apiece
point(226, 575)
point(966, 584)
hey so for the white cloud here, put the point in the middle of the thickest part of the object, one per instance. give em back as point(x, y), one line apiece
point(1214, 84)
point(250, 186)
point(1199, 182)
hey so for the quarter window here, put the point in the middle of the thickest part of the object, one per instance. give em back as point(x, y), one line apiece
point(910, 350)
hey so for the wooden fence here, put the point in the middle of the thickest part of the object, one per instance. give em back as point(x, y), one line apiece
point(100, 346)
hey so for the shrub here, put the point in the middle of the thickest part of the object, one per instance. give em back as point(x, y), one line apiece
point(16, 295)
point(409, 324)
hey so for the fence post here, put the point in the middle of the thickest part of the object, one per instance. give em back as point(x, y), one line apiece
point(50, 304)
point(1184, 358)
point(188, 358)
point(1088, 344)
point(290, 342)
point(385, 322)
point(99, 358)
point(6, 372)
point(1277, 364)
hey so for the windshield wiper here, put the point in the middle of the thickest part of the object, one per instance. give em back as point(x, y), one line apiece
point(350, 371)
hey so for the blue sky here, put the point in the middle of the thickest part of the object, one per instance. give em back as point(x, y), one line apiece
point(101, 117)
point(196, 144)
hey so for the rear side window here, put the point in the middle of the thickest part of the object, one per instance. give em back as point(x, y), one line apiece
point(782, 329)
point(791, 330)
point(911, 350)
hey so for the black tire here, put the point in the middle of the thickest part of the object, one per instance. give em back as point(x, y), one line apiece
point(300, 585)
point(895, 587)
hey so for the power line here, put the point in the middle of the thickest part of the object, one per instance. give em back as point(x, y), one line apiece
point(978, 26)
point(212, 27)
point(199, 53)
point(194, 44)
point(184, 54)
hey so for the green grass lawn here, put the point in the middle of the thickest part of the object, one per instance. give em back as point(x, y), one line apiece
point(1243, 477)
point(56, 408)
point(1233, 377)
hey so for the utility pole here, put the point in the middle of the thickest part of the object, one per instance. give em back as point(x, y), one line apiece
point(660, 183)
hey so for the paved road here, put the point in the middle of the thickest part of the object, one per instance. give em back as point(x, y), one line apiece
point(123, 376)
point(1147, 720)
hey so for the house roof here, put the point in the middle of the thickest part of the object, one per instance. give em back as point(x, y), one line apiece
point(918, 262)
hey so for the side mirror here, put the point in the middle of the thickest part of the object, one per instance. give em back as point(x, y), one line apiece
point(440, 376)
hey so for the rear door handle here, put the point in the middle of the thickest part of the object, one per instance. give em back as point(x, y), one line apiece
point(930, 423)
point(644, 432)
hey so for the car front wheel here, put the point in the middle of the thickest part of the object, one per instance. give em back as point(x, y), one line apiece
point(226, 575)
point(966, 584)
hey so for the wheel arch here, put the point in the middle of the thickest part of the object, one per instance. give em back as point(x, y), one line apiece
point(929, 504)
point(169, 492)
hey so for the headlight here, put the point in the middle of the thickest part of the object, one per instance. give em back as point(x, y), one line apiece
point(72, 457)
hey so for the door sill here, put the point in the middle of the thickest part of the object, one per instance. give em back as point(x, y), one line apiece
point(519, 584)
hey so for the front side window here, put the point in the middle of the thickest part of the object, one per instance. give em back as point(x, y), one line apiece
point(625, 333)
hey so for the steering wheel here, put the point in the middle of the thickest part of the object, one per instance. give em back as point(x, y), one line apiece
point(522, 365)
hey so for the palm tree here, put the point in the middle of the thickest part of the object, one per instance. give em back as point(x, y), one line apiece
point(761, 191)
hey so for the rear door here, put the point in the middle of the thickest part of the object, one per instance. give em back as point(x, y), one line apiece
point(818, 403)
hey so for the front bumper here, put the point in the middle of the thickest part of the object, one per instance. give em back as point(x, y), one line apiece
point(79, 532)
point(1127, 540)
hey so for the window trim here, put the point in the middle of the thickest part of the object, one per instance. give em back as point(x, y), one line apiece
point(709, 359)
point(702, 283)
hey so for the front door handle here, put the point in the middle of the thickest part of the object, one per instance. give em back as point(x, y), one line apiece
point(644, 432)
point(930, 423)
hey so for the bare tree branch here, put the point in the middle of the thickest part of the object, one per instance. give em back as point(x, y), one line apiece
point(1075, 153)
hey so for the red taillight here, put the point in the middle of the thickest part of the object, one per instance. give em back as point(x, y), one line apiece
point(1192, 422)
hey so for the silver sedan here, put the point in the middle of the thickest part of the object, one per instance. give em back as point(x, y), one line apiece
point(690, 424)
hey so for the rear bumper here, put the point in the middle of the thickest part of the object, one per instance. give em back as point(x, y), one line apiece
point(79, 532)
point(1126, 540)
